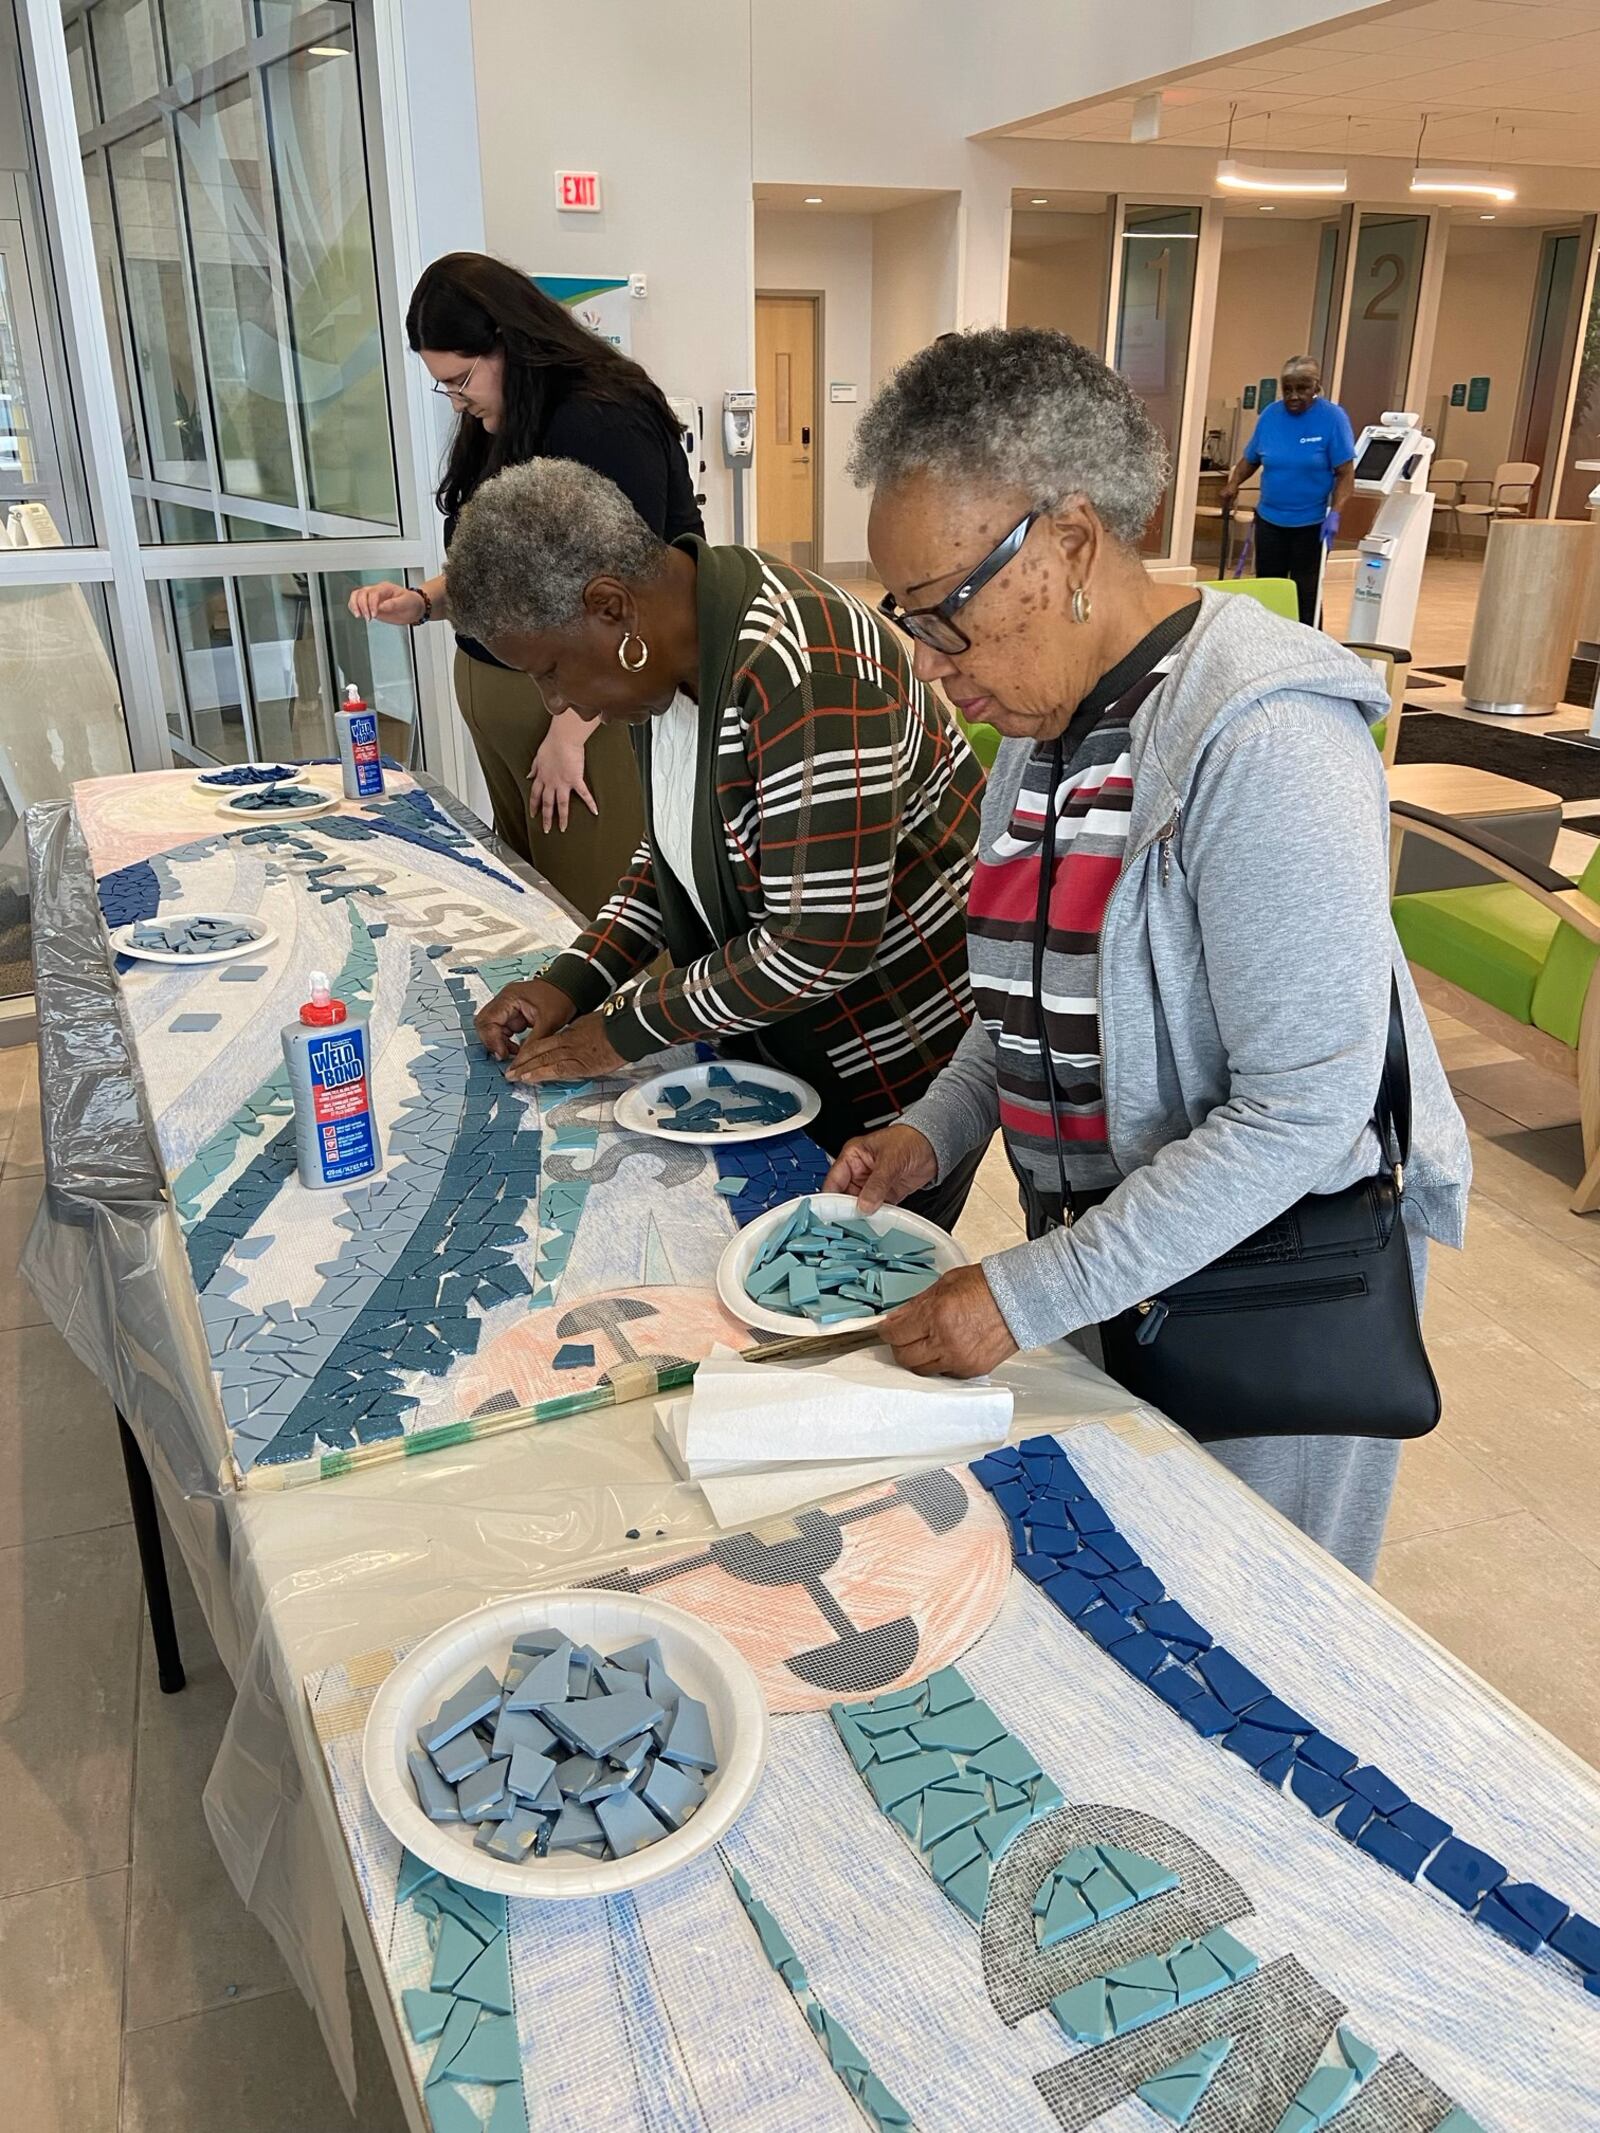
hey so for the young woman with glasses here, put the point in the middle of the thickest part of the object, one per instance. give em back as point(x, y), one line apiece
point(528, 381)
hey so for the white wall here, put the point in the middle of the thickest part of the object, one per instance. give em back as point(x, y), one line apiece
point(1265, 288)
point(663, 115)
point(915, 275)
point(1059, 270)
point(798, 251)
point(1484, 308)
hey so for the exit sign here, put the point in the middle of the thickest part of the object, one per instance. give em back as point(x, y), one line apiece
point(578, 191)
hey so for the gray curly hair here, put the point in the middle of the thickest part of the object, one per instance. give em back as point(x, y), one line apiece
point(1017, 408)
point(532, 538)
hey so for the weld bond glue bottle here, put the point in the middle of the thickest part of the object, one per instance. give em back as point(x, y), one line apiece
point(356, 724)
point(336, 1135)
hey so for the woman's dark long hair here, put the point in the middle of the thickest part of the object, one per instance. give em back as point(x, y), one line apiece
point(468, 304)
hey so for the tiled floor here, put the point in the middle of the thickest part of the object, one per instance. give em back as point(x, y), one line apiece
point(138, 1996)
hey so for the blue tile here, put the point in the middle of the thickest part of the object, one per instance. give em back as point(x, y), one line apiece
point(1327, 1755)
point(1416, 1821)
point(1321, 1793)
point(1393, 1848)
point(1229, 1681)
point(1375, 1786)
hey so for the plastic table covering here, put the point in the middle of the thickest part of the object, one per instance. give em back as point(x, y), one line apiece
point(297, 1580)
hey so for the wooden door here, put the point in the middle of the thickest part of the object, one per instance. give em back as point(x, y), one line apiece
point(786, 428)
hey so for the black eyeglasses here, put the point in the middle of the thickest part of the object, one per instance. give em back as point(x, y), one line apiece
point(936, 627)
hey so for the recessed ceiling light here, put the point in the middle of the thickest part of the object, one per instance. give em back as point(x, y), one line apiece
point(327, 51)
point(1488, 218)
point(1266, 208)
point(813, 199)
point(1040, 202)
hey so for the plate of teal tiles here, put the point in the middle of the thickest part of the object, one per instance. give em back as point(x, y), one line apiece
point(697, 1663)
point(907, 1254)
point(718, 1100)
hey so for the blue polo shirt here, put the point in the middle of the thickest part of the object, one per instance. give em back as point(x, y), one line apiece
point(1297, 455)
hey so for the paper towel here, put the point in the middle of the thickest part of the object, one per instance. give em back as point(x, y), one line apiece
point(862, 1406)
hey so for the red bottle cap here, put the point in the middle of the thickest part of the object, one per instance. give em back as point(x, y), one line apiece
point(322, 1010)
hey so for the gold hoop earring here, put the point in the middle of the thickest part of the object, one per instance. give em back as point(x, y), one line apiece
point(1081, 607)
point(632, 665)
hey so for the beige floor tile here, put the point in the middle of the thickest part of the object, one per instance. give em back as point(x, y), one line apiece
point(1521, 1419)
point(1531, 1172)
point(1509, 1597)
point(1463, 1049)
point(1520, 1278)
point(60, 2005)
point(987, 1227)
point(60, 1467)
point(254, 2066)
point(1574, 848)
point(18, 1199)
point(1521, 1091)
point(15, 1063)
point(70, 1618)
point(26, 1149)
point(1440, 1487)
point(191, 1942)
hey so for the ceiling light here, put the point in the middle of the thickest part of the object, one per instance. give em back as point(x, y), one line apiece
point(1266, 208)
point(1487, 218)
point(327, 51)
point(1479, 184)
point(1237, 177)
point(1040, 202)
point(813, 199)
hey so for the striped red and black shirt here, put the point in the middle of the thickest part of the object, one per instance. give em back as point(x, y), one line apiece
point(1089, 809)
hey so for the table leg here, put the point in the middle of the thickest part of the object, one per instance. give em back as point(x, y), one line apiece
point(152, 1562)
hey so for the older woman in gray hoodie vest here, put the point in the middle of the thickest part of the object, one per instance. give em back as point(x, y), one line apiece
point(1216, 967)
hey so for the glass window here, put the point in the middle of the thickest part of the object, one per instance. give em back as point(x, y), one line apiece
point(182, 522)
point(1383, 315)
point(380, 661)
point(102, 225)
point(205, 701)
point(1160, 246)
point(200, 31)
point(80, 71)
point(257, 529)
point(146, 198)
point(234, 246)
point(126, 55)
point(60, 720)
point(319, 163)
point(281, 649)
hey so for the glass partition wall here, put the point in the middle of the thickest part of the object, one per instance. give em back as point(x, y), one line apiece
point(225, 155)
point(209, 433)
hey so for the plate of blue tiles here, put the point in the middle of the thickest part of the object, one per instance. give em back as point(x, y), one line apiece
point(715, 1101)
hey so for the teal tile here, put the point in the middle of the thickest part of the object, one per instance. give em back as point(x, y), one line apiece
point(943, 1812)
point(998, 1829)
point(1144, 1877)
point(946, 1689)
point(967, 1728)
point(952, 1853)
point(491, 2053)
point(426, 2014)
point(1175, 2094)
point(1083, 2012)
point(893, 1782)
point(1238, 1960)
point(970, 1888)
point(488, 1980)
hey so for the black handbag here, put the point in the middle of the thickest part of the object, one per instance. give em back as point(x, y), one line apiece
point(1307, 1328)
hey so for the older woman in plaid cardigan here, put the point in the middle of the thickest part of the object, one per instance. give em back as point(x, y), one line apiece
point(810, 809)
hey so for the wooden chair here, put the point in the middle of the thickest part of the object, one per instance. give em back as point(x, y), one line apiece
point(1510, 494)
point(1518, 959)
point(1446, 480)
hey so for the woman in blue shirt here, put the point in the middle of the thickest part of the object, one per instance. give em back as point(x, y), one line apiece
point(1306, 450)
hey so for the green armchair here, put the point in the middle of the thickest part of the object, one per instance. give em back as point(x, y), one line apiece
point(1517, 959)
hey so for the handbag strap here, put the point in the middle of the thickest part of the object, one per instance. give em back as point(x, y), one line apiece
point(1391, 1111)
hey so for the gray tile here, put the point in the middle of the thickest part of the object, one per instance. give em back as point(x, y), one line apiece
point(254, 2066)
point(60, 1998)
point(19, 1197)
point(71, 1615)
point(26, 1150)
point(60, 1468)
point(191, 1942)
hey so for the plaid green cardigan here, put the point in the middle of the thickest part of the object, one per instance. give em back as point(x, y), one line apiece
point(835, 817)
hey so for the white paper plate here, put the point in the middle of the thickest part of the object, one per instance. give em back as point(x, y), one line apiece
point(698, 1659)
point(211, 780)
point(122, 939)
point(249, 815)
point(740, 1256)
point(642, 1110)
